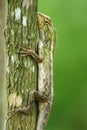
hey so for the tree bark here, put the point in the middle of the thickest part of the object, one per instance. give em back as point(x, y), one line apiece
point(21, 70)
point(3, 95)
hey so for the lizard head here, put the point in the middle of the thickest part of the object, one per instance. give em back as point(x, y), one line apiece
point(43, 20)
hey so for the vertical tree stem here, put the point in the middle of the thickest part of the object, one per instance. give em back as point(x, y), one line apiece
point(3, 96)
point(21, 71)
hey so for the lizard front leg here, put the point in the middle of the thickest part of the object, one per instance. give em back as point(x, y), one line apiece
point(28, 52)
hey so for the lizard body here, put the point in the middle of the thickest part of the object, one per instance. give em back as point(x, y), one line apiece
point(45, 74)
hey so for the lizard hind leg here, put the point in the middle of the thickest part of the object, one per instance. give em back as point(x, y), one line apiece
point(22, 109)
point(25, 110)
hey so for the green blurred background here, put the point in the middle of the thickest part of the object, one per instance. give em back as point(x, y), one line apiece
point(70, 69)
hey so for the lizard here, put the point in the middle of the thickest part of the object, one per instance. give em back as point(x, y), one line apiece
point(45, 75)
point(44, 95)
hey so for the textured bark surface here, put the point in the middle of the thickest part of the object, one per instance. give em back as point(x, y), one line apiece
point(3, 95)
point(21, 71)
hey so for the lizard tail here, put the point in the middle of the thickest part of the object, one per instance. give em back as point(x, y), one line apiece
point(44, 112)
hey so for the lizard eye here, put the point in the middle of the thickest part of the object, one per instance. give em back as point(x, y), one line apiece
point(48, 21)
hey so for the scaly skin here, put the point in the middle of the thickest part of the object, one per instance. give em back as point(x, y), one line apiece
point(44, 94)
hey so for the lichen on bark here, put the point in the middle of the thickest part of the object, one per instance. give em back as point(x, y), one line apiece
point(21, 70)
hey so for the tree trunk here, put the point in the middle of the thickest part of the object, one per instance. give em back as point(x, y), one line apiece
point(3, 96)
point(21, 70)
